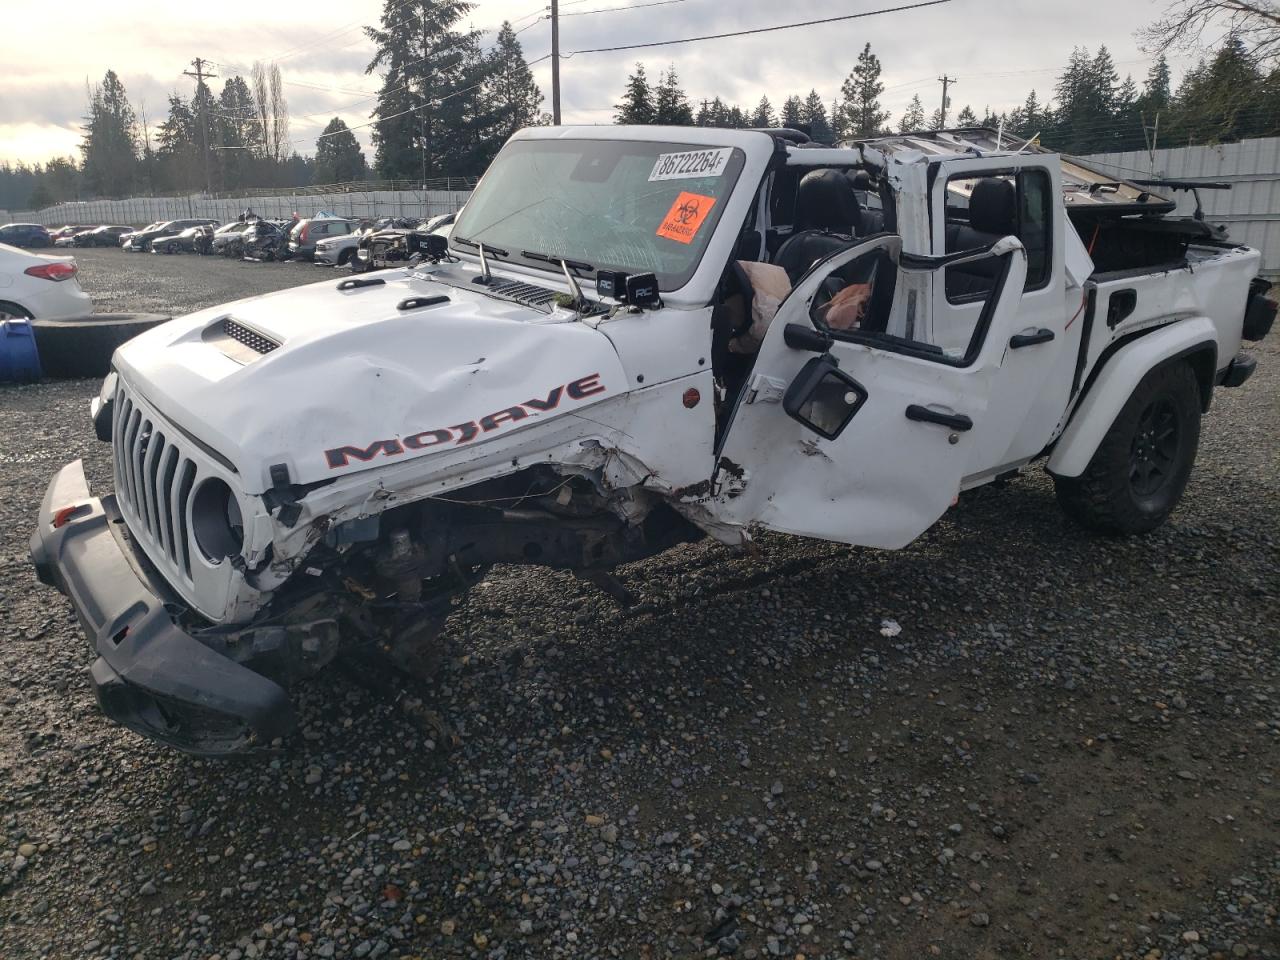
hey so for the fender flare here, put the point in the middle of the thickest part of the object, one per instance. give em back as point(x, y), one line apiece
point(1118, 376)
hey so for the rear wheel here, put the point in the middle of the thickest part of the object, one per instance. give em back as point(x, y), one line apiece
point(11, 311)
point(1137, 476)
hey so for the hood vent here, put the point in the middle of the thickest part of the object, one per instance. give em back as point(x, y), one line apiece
point(241, 343)
point(532, 295)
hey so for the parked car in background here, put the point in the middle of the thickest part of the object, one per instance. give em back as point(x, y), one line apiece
point(126, 239)
point(304, 237)
point(67, 235)
point(37, 286)
point(68, 230)
point(184, 242)
point(25, 235)
point(105, 236)
point(156, 235)
point(229, 234)
point(264, 241)
point(337, 251)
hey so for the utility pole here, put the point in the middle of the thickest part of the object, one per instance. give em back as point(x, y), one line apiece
point(946, 82)
point(555, 62)
point(201, 76)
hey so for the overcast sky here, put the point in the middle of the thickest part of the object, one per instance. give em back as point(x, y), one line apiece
point(997, 50)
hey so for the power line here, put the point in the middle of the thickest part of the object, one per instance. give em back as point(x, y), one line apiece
point(744, 33)
point(631, 6)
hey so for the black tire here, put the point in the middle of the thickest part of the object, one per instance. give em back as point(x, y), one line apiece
point(146, 246)
point(83, 346)
point(11, 311)
point(345, 257)
point(171, 247)
point(357, 265)
point(1137, 476)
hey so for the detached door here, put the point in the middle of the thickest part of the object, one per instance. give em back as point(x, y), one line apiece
point(848, 428)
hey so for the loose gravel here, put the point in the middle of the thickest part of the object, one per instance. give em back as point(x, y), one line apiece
point(1070, 747)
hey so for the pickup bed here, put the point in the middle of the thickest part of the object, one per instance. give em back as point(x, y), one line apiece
point(633, 337)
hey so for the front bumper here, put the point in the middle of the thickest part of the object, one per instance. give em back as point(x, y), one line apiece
point(150, 675)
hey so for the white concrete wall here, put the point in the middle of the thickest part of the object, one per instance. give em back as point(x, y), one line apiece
point(139, 211)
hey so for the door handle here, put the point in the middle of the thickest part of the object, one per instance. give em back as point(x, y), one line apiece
point(956, 421)
point(1030, 339)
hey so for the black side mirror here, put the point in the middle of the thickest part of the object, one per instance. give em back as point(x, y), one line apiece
point(823, 397)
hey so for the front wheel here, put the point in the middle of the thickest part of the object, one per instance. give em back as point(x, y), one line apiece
point(171, 247)
point(1140, 469)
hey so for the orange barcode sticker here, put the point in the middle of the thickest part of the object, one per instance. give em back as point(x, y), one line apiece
point(685, 217)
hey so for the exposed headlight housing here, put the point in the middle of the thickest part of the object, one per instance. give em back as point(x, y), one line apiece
point(216, 520)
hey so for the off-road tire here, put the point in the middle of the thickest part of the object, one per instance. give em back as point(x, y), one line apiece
point(1139, 471)
point(83, 346)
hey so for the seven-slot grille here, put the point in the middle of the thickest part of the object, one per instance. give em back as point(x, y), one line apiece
point(153, 478)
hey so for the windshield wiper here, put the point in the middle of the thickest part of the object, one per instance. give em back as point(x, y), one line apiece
point(558, 261)
point(488, 248)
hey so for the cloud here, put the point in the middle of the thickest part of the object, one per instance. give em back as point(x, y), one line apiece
point(998, 52)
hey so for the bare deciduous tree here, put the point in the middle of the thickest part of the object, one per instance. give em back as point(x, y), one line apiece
point(279, 117)
point(1200, 24)
point(272, 109)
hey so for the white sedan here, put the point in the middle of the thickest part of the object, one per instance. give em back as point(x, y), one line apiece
point(35, 287)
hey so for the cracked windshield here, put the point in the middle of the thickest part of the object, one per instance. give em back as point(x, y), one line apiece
point(626, 205)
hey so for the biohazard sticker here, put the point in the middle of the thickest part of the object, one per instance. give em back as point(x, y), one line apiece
point(686, 217)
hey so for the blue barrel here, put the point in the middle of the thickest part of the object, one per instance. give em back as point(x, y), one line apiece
point(19, 362)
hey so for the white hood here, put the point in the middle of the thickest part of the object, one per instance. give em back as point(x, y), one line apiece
point(354, 372)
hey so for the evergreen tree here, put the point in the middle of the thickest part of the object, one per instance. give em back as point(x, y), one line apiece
point(792, 112)
point(513, 98)
point(339, 158)
point(860, 114)
point(763, 117)
point(1223, 100)
point(814, 114)
point(238, 134)
point(1105, 82)
point(177, 155)
point(966, 117)
point(110, 145)
point(428, 101)
point(1158, 92)
point(913, 118)
point(671, 106)
point(1031, 116)
point(637, 106)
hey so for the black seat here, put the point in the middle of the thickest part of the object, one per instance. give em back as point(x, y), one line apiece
point(827, 217)
point(993, 215)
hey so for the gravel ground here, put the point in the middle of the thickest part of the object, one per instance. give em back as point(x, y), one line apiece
point(1072, 749)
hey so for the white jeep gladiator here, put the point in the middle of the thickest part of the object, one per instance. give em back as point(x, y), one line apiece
point(634, 337)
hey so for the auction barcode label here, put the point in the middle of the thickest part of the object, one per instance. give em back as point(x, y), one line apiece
point(695, 163)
